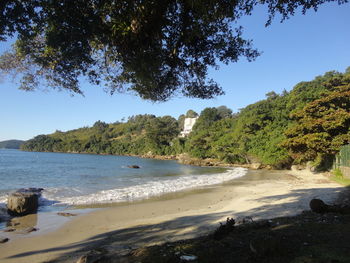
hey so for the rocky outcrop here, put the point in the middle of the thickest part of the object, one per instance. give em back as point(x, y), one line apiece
point(23, 201)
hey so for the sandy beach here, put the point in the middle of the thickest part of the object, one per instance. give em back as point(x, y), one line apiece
point(260, 194)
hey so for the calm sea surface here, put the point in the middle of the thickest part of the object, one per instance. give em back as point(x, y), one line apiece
point(70, 179)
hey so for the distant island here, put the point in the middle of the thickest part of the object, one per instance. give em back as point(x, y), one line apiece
point(11, 144)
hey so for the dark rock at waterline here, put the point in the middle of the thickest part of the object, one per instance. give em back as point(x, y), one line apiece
point(134, 166)
point(3, 239)
point(29, 230)
point(9, 230)
point(24, 201)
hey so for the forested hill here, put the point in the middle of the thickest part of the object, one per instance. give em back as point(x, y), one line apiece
point(11, 144)
point(310, 122)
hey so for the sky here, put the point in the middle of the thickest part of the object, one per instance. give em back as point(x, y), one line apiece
point(299, 49)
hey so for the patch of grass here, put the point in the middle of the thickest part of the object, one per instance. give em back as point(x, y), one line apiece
point(339, 178)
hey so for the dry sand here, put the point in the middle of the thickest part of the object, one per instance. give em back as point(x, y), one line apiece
point(261, 194)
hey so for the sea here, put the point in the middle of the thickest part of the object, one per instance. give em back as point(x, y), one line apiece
point(88, 179)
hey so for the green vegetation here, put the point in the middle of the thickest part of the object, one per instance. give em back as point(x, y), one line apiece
point(309, 123)
point(155, 49)
point(339, 178)
point(11, 144)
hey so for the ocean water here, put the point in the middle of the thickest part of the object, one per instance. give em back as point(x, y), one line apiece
point(82, 179)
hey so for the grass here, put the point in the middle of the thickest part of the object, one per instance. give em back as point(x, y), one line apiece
point(339, 178)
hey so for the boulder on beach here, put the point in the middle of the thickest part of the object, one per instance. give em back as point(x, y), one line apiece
point(23, 201)
point(318, 206)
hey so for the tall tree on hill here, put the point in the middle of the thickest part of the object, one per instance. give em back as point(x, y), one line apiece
point(323, 126)
point(155, 49)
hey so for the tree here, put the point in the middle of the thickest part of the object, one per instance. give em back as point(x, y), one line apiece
point(181, 121)
point(155, 49)
point(207, 117)
point(322, 127)
point(191, 114)
point(160, 132)
point(224, 112)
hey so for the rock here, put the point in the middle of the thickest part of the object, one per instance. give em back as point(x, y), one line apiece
point(295, 168)
point(22, 203)
point(29, 230)
point(134, 166)
point(318, 206)
point(255, 166)
point(3, 239)
point(9, 230)
point(66, 214)
point(310, 166)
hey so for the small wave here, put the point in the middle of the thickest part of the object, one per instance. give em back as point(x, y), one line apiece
point(154, 188)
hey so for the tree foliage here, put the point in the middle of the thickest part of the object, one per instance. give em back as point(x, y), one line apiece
point(155, 49)
point(322, 127)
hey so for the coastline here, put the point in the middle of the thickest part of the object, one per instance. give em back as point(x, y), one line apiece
point(261, 194)
point(183, 158)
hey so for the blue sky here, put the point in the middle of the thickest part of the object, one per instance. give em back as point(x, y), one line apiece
point(296, 50)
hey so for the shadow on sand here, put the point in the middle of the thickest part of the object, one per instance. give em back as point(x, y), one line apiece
point(185, 227)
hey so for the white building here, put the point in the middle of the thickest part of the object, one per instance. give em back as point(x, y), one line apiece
point(188, 125)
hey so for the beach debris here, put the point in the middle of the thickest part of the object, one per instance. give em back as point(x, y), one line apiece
point(24, 201)
point(27, 230)
point(224, 229)
point(134, 166)
point(3, 239)
point(245, 220)
point(188, 257)
point(66, 214)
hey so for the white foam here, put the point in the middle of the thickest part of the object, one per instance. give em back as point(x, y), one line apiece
point(3, 200)
point(154, 188)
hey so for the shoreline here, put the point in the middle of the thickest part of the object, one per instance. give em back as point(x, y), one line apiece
point(182, 158)
point(265, 194)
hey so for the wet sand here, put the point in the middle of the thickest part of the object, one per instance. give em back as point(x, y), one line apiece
point(260, 194)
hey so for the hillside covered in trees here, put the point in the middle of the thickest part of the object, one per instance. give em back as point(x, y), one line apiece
point(309, 123)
